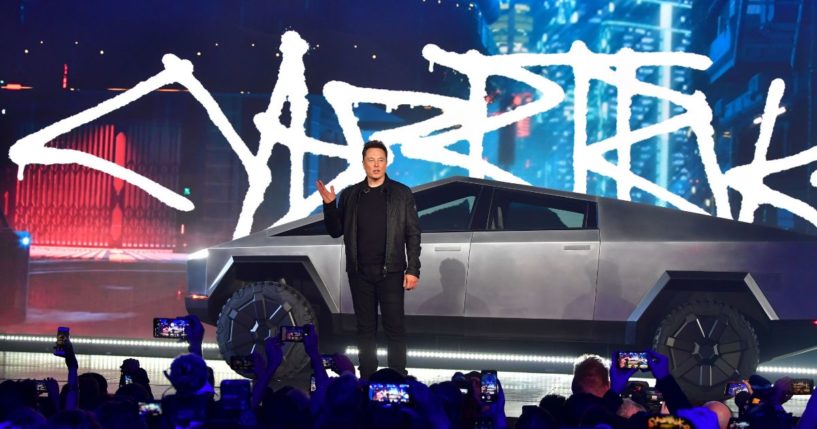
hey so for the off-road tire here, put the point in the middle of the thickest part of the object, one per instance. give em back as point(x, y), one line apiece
point(255, 312)
point(708, 344)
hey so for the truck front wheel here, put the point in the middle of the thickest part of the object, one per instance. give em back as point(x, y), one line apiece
point(256, 312)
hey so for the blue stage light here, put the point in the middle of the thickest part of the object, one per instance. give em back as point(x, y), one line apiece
point(24, 238)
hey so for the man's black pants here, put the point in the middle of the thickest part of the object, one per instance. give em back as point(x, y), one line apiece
point(370, 289)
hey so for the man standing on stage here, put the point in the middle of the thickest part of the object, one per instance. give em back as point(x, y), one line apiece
point(378, 220)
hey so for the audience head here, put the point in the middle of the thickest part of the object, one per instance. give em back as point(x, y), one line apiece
point(343, 394)
point(534, 417)
point(590, 376)
point(16, 394)
point(188, 374)
point(387, 375)
point(101, 381)
point(554, 405)
point(90, 393)
point(24, 418)
point(723, 412)
point(343, 403)
point(700, 417)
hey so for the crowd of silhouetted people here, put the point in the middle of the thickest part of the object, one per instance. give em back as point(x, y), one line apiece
point(602, 398)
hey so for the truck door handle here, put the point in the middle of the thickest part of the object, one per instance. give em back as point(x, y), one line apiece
point(447, 248)
point(576, 247)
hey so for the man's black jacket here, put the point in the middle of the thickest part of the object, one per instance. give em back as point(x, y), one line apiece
point(402, 226)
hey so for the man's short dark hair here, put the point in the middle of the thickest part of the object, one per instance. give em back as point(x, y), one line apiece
point(589, 372)
point(374, 144)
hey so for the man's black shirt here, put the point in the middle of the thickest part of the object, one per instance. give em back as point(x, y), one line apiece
point(371, 227)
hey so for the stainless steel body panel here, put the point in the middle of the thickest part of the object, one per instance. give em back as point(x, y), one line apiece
point(322, 252)
point(443, 274)
point(629, 271)
point(533, 274)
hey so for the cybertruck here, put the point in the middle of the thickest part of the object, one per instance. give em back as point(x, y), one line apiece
point(525, 264)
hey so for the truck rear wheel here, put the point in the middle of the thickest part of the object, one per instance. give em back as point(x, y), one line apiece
point(256, 312)
point(708, 344)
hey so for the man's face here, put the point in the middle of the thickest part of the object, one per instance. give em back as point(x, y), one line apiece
point(374, 162)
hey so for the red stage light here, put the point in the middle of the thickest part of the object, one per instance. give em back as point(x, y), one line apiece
point(14, 87)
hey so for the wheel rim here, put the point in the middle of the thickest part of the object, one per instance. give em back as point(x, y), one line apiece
point(249, 329)
point(705, 350)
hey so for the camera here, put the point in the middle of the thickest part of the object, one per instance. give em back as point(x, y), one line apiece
point(150, 409)
point(488, 386)
point(164, 327)
point(389, 393)
point(41, 387)
point(293, 334)
point(62, 335)
point(633, 360)
point(242, 363)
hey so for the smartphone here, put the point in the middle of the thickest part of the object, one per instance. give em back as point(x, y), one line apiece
point(488, 386)
point(312, 386)
point(328, 361)
point(389, 393)
point(633, 360)
point(147, 409)
point(164, 327)
point(41, 387)
point(62, 335)
point(293, 334)
point(242, 363)
point(127, 379)
point(235, 394)
point(802, 386)
point(733, 388)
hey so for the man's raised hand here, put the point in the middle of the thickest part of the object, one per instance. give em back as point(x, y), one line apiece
point(328, 195)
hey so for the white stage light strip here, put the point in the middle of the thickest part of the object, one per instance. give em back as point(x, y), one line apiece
point(500, 357)
point(787, 370)
point(106, 342)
